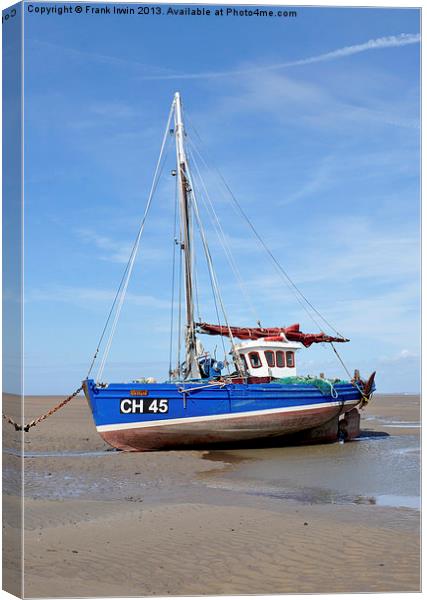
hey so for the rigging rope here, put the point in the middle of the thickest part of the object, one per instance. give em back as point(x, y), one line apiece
point(214, 278)
point(340, 359)
point(222, 238)
point(130, 265)
point(196, 285)
point(175, 242)
point(180, 334)
point(214, 295)
point(297, 292)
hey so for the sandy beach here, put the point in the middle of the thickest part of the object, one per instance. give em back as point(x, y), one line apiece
point(330, 518)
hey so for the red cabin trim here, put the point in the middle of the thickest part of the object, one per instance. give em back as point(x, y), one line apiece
point(251, 379)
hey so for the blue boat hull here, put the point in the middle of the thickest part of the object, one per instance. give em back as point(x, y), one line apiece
point(140, 416)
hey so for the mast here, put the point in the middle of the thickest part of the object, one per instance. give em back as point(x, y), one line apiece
point(191, 368)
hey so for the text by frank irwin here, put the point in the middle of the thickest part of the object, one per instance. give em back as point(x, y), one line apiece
point(151, 9)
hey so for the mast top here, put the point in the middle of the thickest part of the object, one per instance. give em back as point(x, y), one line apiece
point(177, 100)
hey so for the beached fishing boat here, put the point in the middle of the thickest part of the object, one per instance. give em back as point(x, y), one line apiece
point(252, 393)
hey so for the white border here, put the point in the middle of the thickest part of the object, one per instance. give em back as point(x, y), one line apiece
point(320, 3)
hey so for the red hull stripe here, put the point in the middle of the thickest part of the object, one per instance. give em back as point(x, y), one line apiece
point(238, 415)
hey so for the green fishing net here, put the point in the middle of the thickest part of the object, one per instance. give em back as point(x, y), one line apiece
point(324, 385)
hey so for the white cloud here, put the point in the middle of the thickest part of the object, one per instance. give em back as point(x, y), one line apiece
point(365, 280)
point(288, 99)
point(87, 55)
point(82, 295)
point(360, 251)
point(355, 250)
point(403, 355)
point(318, 179)
point(113, 250)
point(117, 251)
point(156, 73)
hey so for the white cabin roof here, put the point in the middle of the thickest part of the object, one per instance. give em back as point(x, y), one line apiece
point(267, 344)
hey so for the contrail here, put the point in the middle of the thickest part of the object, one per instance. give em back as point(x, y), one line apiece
point(391, 41)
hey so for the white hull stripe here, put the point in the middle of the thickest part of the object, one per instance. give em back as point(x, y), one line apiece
point(251, 413)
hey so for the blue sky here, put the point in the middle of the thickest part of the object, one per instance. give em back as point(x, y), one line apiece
point(314, 124)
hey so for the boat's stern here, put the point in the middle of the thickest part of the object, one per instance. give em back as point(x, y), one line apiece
point(349, 421)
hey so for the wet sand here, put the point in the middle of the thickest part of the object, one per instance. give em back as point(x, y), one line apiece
point(330, 518)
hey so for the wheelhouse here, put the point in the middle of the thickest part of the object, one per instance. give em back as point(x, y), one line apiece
point(264, 358)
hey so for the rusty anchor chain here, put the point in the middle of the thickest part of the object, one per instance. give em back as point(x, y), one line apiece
point(50, 412)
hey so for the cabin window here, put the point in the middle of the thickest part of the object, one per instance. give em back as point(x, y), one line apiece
point(269, 357)
point(255, 360)
point(243, 359)
point(280, 358)
point(290, 359)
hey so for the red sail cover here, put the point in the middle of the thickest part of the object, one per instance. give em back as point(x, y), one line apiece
point(292, 333)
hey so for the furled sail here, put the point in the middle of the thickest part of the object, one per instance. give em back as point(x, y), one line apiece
point(291, 333)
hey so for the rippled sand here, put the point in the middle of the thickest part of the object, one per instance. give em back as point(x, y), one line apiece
point(331, 518)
